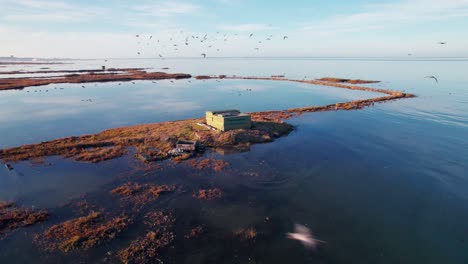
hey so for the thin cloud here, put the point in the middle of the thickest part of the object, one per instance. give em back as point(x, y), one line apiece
point(378, 16)
point(244, 27)
point(167, 9)
point(46, 11)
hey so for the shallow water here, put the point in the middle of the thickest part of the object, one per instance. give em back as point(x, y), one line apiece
point(58, 110)
point(381, 185)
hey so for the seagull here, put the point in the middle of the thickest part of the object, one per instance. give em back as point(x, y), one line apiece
point(204, 55)
point(432, 77)
point(251, 35)
point(442, 43)
point(8, 167)
point(303, 234)
point(285, 37)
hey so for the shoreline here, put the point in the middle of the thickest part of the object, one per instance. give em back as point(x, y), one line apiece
point(92, 77)
point(151, 142)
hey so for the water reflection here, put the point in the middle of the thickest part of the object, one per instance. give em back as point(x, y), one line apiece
point(380, 185)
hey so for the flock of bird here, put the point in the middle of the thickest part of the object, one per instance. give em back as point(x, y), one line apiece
point(178, 42)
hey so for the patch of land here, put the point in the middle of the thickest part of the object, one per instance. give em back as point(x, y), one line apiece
point(126, 75)
point(195, 232)
point(149, 140)
point(208, 194)
point(82, 232)
point(152, 142)
point(137, 195)
point(216, 165)
point(146, 249)
point(245, 234)
point(12, 217)
point(341, 80)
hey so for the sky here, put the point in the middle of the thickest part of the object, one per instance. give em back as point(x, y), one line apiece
point(222, 28)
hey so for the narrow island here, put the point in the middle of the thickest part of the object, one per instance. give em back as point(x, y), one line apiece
point(153, 142)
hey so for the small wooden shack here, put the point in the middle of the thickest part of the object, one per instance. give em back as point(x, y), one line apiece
point(186, 146)
point(226, 120)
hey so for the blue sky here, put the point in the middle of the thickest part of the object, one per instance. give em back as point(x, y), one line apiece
point(90, 29)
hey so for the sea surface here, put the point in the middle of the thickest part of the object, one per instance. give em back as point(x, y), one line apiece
point(385, 184)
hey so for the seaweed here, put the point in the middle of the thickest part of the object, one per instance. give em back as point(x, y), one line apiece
point(82, 232)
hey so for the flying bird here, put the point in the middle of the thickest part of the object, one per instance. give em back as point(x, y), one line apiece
point(137, 36)
point(285, 37)
point(442, 43)
point(138, 53)
point(303, 234)
point(8, 167)
point(251, 35)
point(204, 55)
point(433, 77)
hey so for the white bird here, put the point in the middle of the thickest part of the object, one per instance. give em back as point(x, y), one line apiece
point(303, 234)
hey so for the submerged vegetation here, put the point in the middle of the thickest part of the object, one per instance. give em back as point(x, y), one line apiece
point(208, 194)
point(146, 249)
point(136, 195)
point(82, 232)
point(12, 217)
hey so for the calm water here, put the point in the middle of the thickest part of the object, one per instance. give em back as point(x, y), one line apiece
point(387, 184)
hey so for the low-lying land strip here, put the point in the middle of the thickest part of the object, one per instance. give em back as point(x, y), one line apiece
point(154, 141)
point(119, 75)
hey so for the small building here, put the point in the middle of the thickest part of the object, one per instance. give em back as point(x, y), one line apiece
point(226, 120)
point(186, 146)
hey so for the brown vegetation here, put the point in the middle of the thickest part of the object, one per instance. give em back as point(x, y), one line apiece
point(204, 77)
point(128, 75)
point(208, 194)
point(153, 141)
point(195, 232)
point(12, 217)
point(341, 80)
point(213, 164)
point(83, 232)
point(245, 234)
point(150, 140)
point(145, 249)
point(137, 195)
point(158, 219)
point(5, 205)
